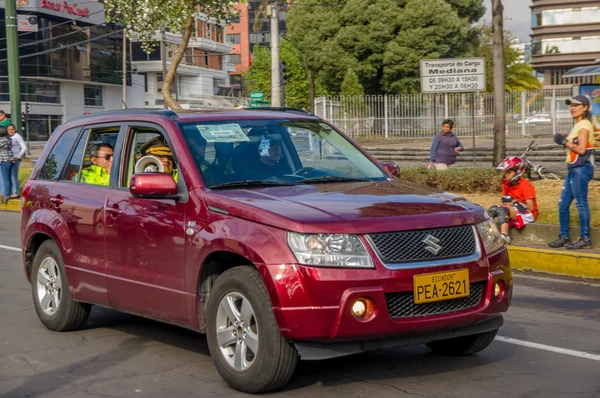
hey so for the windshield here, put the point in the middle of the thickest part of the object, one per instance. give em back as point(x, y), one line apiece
point(243, 153)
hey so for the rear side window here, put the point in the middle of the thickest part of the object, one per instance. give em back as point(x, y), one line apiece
point(58, 156)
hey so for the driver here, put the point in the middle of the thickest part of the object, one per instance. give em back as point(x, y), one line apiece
point(159, 148)
point(270, 154)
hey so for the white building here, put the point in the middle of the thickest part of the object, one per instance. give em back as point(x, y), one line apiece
point(202, 79)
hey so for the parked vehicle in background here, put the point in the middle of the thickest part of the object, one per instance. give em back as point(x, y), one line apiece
point(537, 119)
point(277, 246)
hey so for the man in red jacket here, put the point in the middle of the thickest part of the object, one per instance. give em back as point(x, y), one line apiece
point(519, 205)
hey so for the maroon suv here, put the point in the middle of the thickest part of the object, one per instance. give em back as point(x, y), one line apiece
point(268, 230)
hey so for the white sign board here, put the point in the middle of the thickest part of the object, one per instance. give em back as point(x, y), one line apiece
point(452, 75)
point(27, 23)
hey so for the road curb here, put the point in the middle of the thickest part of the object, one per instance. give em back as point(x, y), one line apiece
point(11, 205)
point(555, 261)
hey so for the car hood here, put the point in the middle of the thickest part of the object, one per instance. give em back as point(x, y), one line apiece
point(361, 207)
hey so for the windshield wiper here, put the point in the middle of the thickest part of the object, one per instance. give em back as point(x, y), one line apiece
point(250, 183)
point(318, 180)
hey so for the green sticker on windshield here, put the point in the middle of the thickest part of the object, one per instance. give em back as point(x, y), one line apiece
point(222, 133)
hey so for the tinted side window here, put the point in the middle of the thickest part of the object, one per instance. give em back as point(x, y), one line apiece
point(58, 156)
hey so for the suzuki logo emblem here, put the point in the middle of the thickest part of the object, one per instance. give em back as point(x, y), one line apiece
point(432, 244)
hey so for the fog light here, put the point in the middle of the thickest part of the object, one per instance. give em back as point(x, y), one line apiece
point(497, 290)
point(359, 308)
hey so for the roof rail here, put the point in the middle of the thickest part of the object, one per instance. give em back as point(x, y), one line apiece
point(280, 109)
point(142, 111)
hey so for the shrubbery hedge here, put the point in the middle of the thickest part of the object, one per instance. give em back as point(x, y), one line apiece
point(460, 180)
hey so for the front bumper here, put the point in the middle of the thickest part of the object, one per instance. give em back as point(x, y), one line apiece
point(315, 303)
point(309, 351)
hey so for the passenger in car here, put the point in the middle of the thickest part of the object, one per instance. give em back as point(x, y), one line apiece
point(98, 173)
point(159, 148)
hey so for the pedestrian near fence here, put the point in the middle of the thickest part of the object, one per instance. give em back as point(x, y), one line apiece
point(18, 151)
point(5, 163)
point(444, 147)
point(4, 120)
point(580, 165)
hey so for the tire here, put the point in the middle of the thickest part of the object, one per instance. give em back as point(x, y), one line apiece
point(55, 308)
point(463, 346)
point(273, 365)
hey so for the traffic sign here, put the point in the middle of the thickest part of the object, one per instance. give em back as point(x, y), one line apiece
point(452, 75)
point(257, 95)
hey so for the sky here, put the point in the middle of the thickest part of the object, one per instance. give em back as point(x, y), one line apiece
point(517, 17)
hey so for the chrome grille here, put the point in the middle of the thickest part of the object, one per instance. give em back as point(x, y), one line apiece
point(400, 247)
point(402, 305)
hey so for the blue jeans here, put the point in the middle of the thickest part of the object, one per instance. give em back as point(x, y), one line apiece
point(14, 178)
point(5, 173)
point(576, 187)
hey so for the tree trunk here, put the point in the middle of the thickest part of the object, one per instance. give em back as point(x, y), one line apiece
point(168, 81)
point(498, 60)
point(311, 90)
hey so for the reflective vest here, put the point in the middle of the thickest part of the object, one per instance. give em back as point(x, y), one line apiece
point(95, 175)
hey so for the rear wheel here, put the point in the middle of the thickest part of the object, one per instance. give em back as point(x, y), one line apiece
point(243, 336)
point(465, 345)
point(51, 296)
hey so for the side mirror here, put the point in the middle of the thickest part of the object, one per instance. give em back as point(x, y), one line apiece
point(392, 168)
point(152, 186)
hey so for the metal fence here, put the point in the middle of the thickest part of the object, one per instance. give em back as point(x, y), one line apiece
point(528, 113)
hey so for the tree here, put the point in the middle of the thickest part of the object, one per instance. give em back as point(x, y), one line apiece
point(382, 40)
point(517, 75)
point(351, 85)
point(297, 87)
point(498, 68)
point(144, 18)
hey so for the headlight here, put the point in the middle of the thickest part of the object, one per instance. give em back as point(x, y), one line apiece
point(492, 240)
point(333, 250)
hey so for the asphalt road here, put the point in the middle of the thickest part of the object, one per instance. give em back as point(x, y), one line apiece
point(549, 347)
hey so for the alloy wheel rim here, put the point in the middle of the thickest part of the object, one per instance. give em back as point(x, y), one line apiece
point(49, 286)
point(237, 331)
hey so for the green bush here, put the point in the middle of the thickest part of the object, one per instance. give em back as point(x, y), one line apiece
point(463, 180)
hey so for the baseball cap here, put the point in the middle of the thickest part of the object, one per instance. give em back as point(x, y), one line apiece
point(579, 100)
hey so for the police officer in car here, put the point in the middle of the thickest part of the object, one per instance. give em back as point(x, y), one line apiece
point(159, 148)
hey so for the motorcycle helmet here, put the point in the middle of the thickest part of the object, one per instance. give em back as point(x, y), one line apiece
point(512, 163)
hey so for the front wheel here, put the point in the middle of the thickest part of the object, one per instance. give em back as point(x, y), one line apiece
point(243, 336)
point(465, 345)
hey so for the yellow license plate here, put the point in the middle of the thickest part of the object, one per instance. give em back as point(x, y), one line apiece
point(441, 286)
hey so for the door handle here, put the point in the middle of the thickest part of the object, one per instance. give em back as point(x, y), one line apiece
point(114, 211)
point(57, 200)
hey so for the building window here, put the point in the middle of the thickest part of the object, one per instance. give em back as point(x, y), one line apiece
point(92, 95)
point(233, 39)
point(566, 45)
point(33, 91)
point(566, 16)
point(235, 59)
point(235, 19)
point(208, 32)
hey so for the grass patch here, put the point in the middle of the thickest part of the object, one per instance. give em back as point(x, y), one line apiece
point(484, 185)
point(24, 174)
point(547, 193)
point(467, 180)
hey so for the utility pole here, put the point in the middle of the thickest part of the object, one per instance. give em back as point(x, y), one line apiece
point(163, 57)
point(498, 59)
point(275, 83)
point(14, 78)
point(124, 70)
